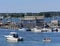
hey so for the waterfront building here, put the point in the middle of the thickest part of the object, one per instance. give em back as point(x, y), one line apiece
point(32, 21)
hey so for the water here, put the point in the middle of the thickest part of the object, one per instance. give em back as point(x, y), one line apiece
point(30, 39)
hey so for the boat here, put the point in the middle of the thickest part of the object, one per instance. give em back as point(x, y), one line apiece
point(55, 29)
point(24, 29)
point(35, 30)
point(47, 40)
point(45, 30)
point(13, 36)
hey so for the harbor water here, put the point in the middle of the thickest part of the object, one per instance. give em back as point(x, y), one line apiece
point(30, 38)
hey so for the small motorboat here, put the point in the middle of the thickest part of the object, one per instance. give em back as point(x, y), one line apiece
point(47, 40)
point(35, 30)
point(45, 30)
point(24, 29)
point(13, 36)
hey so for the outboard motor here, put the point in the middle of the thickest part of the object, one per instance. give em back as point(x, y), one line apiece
point(56, 30)
point(20, 39)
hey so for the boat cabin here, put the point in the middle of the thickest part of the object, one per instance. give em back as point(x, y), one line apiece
point(14, 34)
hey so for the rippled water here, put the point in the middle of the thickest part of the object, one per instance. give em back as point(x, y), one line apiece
point(30, 39)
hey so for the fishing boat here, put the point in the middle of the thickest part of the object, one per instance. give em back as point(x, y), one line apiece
point(13, 36)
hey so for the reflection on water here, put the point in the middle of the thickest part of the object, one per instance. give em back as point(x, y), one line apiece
point(30, 39)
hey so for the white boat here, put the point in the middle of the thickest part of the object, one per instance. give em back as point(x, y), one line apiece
point(47, 40)
point(46, 30)
point(24, 29)
point(35, 30)
point(13, 36)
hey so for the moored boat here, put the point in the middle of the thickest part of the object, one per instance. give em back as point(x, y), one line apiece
point(47, 40)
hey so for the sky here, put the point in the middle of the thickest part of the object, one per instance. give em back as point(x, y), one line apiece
point(24, 6)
